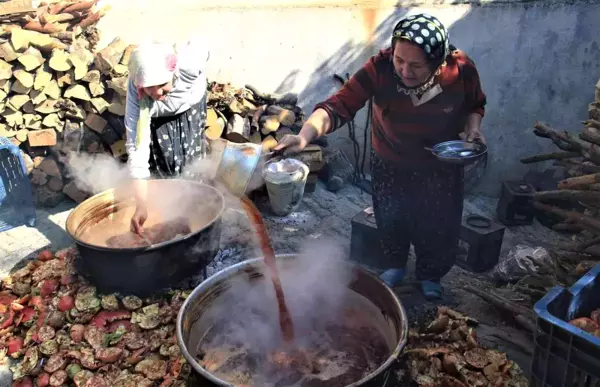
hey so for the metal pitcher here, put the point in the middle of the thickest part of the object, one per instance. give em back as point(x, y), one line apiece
point(240, 167)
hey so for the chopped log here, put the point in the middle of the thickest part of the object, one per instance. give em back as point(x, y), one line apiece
point(238, 129)
point(22, 39)
point(107, 58)
point(591, 134)
point(119, 85)
point(5, 70)
point(570, 195)
point(100, 104)
point(81, 60)
point(127, 55)
point(118, 148)
point(43, 76)
point(13, 118)
point(28, 107)
point(92, 76)
point(96, 123)
point(268, 143)
point(575, 217)
point(77, 91)
point(499, 302)
point(52, 121)
point(269, 124)
point(256, 138)
point(574, 182)
point(65, 79)
point(265, 97)
point(59, 18)
point(80, 6)
point(592, 123)
point(550, 156)
point(588, 150)
point(582, 246)
point(32, 121)
point(31, 59)
point(597, 91)
point(47, 107)
point(52, 90)
point(17, 101)
point(22, 135)
point(120, 71)
point(5, 85)
point(59, 60)
point(3, 95)
point(584, 168)
point(96, 89)
point(594, 111)
point(283, 131)
point(214, 125)
point(93, 17)
point(256, 117)
point(286, 117)
point(117, 106)
point(24, 77)
point(19, 88)
point(48, 28)
point(7, 52)
point(67, 36)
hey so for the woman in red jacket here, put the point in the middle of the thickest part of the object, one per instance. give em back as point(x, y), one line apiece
point(424, 92)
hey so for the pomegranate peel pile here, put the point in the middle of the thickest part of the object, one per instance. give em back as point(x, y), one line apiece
point(446, 353)
point(59, 331)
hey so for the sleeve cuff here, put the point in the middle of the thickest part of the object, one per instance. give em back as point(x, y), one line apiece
point(480, 111)
point(333, 117)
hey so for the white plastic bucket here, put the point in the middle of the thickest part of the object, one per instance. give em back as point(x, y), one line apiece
point(285, 181)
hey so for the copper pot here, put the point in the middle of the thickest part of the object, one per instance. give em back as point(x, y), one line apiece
point(149, 269)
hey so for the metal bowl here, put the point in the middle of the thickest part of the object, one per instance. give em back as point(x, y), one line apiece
point(459, 152)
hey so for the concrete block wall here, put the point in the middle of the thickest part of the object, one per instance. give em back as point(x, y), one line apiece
point(538, 60)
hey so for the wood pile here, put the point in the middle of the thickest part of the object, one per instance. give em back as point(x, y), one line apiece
point(576, 200)
point(57, 92)
point(248, 115)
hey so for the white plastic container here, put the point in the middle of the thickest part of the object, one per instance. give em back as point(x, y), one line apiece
point(285, 181)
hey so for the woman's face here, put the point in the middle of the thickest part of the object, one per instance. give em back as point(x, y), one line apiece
point(410, 63)
point(159, 92)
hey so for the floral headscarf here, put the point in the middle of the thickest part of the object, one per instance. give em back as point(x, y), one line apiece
point(151, 64)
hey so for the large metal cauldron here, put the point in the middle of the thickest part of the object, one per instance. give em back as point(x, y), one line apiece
point(146, 270)
point(210, 294)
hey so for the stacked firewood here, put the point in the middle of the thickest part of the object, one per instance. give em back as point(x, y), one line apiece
point(245, 114)
point(577, 198)
point(57, 93)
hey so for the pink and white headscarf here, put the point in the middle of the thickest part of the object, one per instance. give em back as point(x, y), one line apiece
point(151, 64)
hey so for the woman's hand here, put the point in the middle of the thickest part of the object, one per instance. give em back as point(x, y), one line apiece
point(138, 219)
point(291, 144)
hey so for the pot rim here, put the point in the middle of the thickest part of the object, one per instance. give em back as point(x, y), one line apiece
point(215, 278)
point(152, 247)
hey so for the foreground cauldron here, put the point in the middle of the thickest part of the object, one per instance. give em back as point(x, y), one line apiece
point(210, 293)
point(146, 270)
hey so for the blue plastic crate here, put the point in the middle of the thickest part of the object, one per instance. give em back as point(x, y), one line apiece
point(17, 206)
point(565, 355)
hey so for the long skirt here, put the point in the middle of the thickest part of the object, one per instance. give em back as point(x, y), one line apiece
point(418, 205)
point(177, 140)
